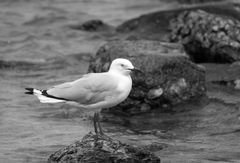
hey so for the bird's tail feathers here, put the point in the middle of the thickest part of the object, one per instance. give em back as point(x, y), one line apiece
point(43, 96)
point(29, 91)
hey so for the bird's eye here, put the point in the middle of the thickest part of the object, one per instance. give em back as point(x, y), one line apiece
point(122, 65)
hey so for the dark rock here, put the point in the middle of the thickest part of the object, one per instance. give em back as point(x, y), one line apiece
point(237, 84)
point(155, 26)
point(91, 25)
point(101, 149)
point(168, 77)
point(207, 37)
point(211, 36)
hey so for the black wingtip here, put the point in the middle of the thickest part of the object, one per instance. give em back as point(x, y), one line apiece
point(30, 91)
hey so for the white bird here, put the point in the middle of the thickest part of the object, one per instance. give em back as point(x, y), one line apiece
point(93, 90)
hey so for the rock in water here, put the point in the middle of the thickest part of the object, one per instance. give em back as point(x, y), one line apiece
point(207, 37)
point(211, 36)
point(91, 26)
point(168, 77)
point(101, 149)
point(156, 25)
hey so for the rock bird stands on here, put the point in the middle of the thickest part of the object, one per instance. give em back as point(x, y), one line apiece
point(93, 90)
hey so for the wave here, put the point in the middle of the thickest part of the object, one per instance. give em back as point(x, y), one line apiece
point(44, 64)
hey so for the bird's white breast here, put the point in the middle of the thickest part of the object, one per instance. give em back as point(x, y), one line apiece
point(124, 87)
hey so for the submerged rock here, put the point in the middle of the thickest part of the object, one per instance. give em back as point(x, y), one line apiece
point(101, 149)
point(168, 77)
point(91, 25)
point(207, 37)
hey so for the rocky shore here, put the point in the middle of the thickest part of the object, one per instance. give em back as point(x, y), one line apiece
point(181, 53)
point(168, 76)
point(102, 149)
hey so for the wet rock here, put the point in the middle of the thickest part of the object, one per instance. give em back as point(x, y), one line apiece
point(101, 149)
point(153, 26)
point(91, 25)
point(237, 84)
point(168, 77)
point(207, 37)
point(156, 25)
point(154, 93)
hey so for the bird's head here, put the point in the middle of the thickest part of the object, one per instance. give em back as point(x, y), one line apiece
point(123, 66)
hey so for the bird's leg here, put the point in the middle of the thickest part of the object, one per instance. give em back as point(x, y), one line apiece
point(95, 123)
point(99, 124)
point(100, 128)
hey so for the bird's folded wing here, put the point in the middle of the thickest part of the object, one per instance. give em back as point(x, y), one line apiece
point(89, 89)
point(63, 85)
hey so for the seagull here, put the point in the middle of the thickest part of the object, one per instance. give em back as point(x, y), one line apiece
point(93, 90)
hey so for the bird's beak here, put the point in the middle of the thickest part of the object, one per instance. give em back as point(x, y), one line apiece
point(135, 70)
